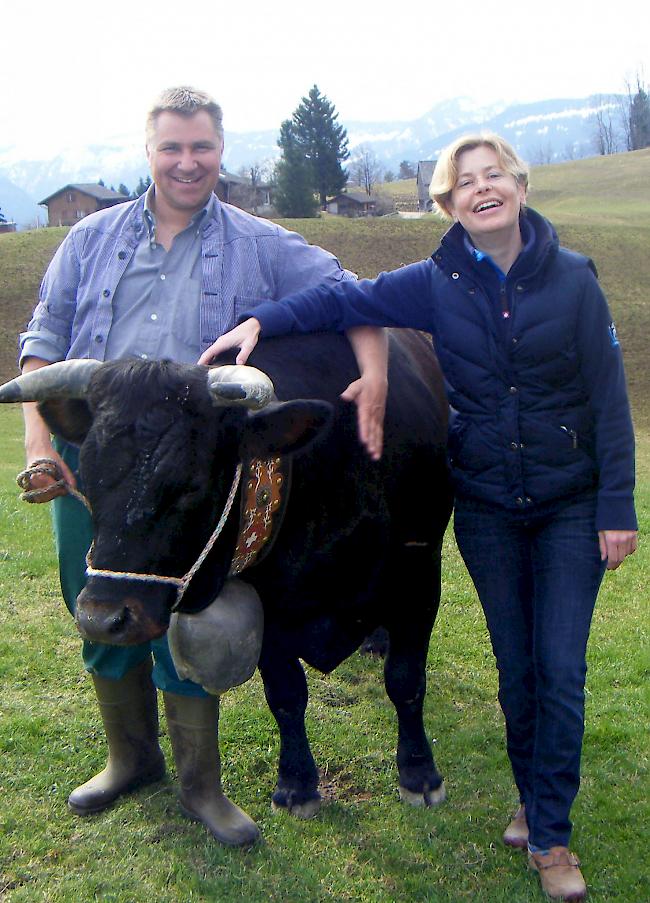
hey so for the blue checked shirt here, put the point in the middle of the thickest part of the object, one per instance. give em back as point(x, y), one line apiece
point(243, 260)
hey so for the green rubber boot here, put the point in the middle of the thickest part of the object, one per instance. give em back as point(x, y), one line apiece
point(129, 711)
point(193, 724)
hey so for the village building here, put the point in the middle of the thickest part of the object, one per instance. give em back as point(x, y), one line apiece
point(352, 203)
point(72, 202)
point(422, 181)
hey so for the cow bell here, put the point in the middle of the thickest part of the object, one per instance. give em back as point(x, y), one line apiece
point(220, 646)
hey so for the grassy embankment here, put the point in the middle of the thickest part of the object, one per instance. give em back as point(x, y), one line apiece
point(364, 846)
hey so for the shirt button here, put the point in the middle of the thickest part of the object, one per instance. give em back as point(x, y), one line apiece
point(519, 500)
point(528, 500)
point(162, 276)
point(106, 292)
point(514, 341)
point(514, 446)
point(121, 255)
point(144, 357)
point(154, 316)
point(513, 390)
point(99, 339)
point(455, 276)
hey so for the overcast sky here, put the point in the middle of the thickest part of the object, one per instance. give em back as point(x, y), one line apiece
point(76, 71)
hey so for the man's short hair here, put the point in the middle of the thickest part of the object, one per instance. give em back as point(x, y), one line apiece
point(446, 170)
point(185, 101)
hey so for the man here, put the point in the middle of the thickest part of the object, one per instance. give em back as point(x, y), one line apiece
point(163, 277)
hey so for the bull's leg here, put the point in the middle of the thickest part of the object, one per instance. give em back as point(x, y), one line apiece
point(285, 687)
point(420, 783)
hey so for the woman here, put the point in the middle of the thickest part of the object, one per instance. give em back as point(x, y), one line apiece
point(541, 449)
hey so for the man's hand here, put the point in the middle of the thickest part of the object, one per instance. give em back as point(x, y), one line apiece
point(38, 445)
point(244, 337)
point(369, 394)
point(616, 545)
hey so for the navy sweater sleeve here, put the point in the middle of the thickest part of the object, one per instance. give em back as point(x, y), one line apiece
point(601, 364)
point(400, 298)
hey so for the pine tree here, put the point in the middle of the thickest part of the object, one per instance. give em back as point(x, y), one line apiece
point(294, 189)
point(123, 190)
point(324, 143)
point(2, 216)
point(640, 119)
point(141, 187)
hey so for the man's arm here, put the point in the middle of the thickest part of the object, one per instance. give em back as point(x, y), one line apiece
point(38, 442)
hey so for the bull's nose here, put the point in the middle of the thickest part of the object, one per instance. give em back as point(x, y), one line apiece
point(101, 626)
point(121, 621)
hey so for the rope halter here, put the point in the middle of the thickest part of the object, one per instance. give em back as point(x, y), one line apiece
point(181, 583)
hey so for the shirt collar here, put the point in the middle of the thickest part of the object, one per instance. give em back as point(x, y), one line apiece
point(150, 219)
point(527, 237)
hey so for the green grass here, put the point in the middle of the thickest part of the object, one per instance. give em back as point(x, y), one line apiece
point(364, 846)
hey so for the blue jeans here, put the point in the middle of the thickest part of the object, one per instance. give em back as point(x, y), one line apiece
point(73, 534)
point(537, 575)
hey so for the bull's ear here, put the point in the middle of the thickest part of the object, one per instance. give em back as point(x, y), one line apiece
point(282, 428)
point(69, 418)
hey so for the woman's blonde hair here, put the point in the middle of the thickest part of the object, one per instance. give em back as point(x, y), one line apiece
point(446, 170)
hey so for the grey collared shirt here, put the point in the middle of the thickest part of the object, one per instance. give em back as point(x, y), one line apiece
point(157, 302)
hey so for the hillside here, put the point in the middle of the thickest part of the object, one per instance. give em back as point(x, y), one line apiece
point(601, 207)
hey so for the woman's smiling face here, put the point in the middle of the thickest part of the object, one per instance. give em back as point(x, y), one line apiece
point(486, 199)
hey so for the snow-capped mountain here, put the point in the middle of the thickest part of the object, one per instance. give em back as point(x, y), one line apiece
point(542, 132)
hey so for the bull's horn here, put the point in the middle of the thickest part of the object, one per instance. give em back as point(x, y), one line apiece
point(65, 379)
point(243, 386)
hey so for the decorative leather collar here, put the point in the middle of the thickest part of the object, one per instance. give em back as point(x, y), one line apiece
point(264, 498)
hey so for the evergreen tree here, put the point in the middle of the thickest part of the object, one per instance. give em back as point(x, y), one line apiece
point(123, 190)
point(102, 183)
point(2, 216)
point(406, 170)
point(141, 187)
point(294, 190)
point(640, 119)
point(323, 142)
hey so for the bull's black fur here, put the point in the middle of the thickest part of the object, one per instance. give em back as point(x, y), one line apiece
point(360, 542)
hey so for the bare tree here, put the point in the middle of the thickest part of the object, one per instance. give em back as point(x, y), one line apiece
point(541, 154)
point(605, 135)
point(365, 170)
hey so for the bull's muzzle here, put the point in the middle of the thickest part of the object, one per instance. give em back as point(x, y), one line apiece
point(127, 622)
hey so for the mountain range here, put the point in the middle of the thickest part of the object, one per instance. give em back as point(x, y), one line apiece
point(543, 132)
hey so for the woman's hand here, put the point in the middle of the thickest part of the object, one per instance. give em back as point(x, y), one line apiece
point(616, 545)
point(370, 346)
point(244, 337)
point(369, 394)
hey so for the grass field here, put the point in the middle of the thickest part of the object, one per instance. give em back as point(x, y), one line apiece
point(364, 846)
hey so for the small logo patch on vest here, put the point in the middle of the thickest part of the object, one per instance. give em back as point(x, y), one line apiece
point(613, 335)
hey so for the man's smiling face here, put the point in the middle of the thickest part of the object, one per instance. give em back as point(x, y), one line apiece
point(184, 156)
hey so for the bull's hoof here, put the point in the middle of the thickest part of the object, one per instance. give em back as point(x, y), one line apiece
point(290, 801)
point(425, 798)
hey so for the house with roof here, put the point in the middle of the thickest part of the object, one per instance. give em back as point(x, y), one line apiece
point(352, 203)
point(422, 182)
point(72, 202)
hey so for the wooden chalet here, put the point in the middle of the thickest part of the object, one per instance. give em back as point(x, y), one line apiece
point(72, 202)
point(352, 203)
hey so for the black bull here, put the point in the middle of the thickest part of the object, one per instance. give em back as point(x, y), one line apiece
point(359, 545)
